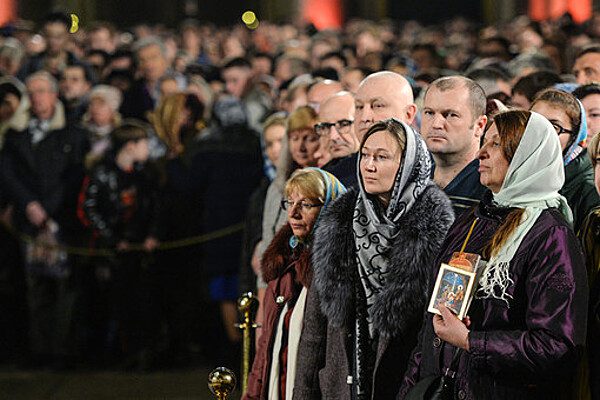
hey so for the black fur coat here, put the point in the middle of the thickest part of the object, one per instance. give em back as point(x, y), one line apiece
point(325, 354)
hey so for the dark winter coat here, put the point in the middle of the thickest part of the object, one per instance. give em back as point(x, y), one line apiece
point(579, 189)
point(120, 205)
point(50, 172)
point(590, 238)
point(224, 172)
point(137, 101)
point(252, 235)
point(325, 353)
point(527, 349)
point(344, 169)
point(285, 272)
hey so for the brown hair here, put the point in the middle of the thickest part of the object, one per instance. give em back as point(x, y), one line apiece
point(511, 127)
point(130, 130)
point(564, 101)
point(477, 100)
point(391, 125)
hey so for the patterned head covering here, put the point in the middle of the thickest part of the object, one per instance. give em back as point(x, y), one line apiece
point(333, 189)
point(374, 228)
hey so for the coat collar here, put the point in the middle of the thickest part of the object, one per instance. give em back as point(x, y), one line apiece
point(413, 251)
point(57, 121)
point(278, 257)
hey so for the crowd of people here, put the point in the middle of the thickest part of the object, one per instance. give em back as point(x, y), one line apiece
point(149, 177)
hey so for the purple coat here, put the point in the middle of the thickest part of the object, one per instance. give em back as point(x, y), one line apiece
point(529, 349)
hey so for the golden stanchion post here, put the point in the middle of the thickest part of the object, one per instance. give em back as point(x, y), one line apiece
point(247, 305)
point(221, 382)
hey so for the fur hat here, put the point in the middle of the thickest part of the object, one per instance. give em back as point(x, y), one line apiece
point(112, 96)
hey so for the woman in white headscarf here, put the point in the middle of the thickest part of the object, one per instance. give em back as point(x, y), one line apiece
point(372, 253)
point(527, 322)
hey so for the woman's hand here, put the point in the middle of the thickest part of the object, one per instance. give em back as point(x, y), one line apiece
point(450, 329)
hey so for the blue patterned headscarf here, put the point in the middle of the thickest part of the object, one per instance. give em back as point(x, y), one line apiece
point(576, 147)
point(333, 189)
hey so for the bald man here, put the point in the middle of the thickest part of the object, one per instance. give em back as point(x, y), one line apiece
point(320, 91)
point(336, 125)
point(383, 95)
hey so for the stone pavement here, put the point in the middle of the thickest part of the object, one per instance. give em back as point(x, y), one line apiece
point(101, 385)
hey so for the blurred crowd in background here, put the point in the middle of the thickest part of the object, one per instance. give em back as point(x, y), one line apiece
point(136, 162)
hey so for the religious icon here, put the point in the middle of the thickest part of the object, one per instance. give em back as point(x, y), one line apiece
point(453, 289)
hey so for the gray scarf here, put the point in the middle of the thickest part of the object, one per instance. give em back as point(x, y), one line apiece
point(375, 228)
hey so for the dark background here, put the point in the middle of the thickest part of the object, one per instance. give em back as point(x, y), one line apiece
point(126, 13)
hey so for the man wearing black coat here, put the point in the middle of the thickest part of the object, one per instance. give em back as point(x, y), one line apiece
point(42, 170)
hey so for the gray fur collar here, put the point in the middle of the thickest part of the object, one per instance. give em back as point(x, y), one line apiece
point(402, 303)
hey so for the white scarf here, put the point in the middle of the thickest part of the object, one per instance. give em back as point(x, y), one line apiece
point(534, 177)
point(294, 332)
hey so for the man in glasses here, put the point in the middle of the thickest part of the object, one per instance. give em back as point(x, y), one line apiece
point(335, 127)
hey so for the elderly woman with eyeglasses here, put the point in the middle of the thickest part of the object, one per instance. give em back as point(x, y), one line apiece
point(567, 116)
point(287, 269)
point(527, 322)
point(372, 253)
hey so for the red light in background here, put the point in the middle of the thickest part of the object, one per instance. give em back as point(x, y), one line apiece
point(7, 11)
point(323, 14)
point(581, 10)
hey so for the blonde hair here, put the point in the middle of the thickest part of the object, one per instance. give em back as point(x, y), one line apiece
point(303, 117)
point(277, 119)
point(309, 182)
point(165, 117)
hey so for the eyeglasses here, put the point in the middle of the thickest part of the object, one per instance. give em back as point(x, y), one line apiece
point(304, 206)
point(559, 129)
point(342, 126)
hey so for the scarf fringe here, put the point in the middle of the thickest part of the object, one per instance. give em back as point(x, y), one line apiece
point(496, 279)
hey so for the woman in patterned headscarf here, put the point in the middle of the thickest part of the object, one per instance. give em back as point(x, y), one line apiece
point(372, 253)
